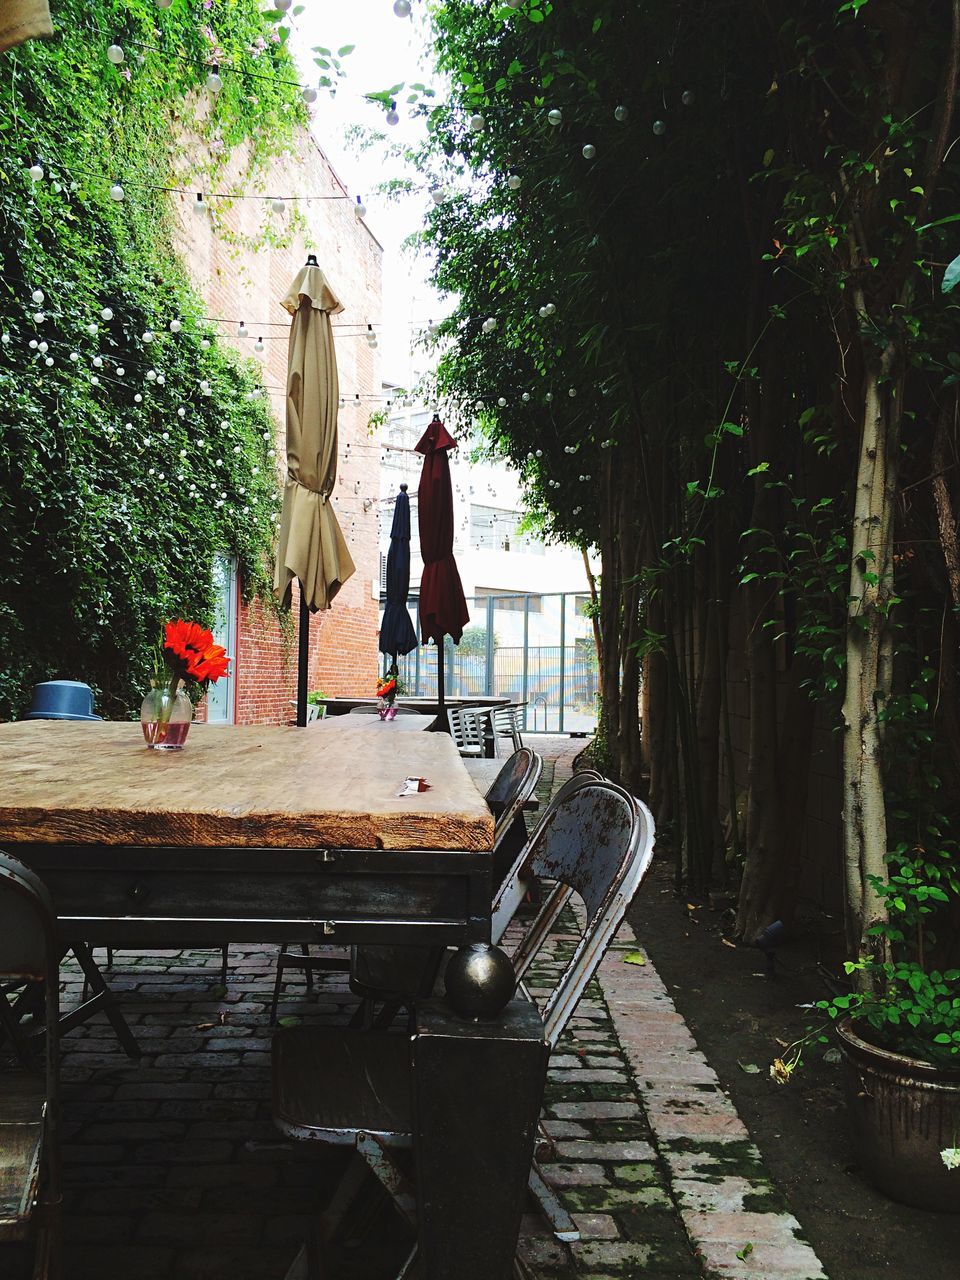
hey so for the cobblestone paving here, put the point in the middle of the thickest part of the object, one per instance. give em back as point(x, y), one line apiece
point(174, 1170)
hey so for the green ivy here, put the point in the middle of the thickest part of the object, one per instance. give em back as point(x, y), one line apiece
point(118, 490)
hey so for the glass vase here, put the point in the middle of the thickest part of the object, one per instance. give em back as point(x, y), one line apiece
point(165, 718)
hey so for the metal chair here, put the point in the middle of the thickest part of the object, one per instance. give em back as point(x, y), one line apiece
point(365, 710)
point(29, 1096)
point(505, 722)
point(332, 1086)
point(466, 730)
point(512, 887)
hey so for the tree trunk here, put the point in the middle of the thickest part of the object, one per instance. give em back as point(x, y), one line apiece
point(869, 651)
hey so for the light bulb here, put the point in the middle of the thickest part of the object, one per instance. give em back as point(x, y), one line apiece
point(98, 362)
point(476, 123)
point(550, 309)
point(687, 97)
point(138, 398)
point(204, 344)
point(36, 172)
point(147, 337)
point(543, 313)
point(38, 317)
point(437, 195)
point(163, 4)
point(92, 329)
point(589, 151)
point(277, 205)
point(95, 381)
point(401, 8)
point(214, 82)
point(106, 313)
point(242, 330)
point(49, 361)
point(258, 346)
point(283, 5)
point(199, 206)
point(37, 297)
point(116, 192)
point(121, 371)
point(555, 116)
point(489, 324)
point(514, 182)
point(572, 392)
point(620, 114)
point(181, 412)
point(525, 397)
point(393, 116)
point(151, 375)
point(548, 397)
point(502, 402)
point(161, 380)
point(115, 54)
point(360, 209)
point(42, 348)
point(308, 93)
point(74, 356)
point(659, 127)
point(176, 325)
point(33, 344)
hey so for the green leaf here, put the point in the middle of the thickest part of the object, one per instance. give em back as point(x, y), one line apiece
point(951, 276)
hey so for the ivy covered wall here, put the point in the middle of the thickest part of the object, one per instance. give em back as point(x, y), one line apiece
point(133, 446)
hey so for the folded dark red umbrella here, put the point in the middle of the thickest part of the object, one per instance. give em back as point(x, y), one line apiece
point(443, 610)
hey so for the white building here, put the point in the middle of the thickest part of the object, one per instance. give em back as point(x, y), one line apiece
point(530, 634)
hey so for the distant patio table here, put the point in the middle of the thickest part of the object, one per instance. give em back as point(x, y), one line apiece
point(292, 835)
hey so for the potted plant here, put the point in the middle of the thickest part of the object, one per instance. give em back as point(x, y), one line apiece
point(899, 1035)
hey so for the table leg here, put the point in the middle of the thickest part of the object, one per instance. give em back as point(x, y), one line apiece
point(102, 996)
point(478, 1087)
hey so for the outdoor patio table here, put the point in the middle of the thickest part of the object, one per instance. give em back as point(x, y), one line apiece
point(280, 834)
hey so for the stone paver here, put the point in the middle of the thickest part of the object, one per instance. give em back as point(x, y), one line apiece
point(174, 1171)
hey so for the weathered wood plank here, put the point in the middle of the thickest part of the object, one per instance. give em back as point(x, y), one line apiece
point(244, 786)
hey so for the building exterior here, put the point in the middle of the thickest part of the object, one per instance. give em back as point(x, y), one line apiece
point(242, 279)
point(530, 635)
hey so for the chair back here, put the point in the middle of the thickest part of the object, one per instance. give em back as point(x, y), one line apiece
point(506, 724)
point(364, 710)
point(512, 788)
point(513, 889)
point(405, 711)
point(465, 730)
point(599, 846)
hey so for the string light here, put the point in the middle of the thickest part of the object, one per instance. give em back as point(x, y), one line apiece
point(687, 97)
point(199, 205)
point(115, 54)
point(308, 93)
point(393, 116)
point(589, 151)
point(555, 117)
point(476, 122)
point(514, 181)
point(258, 346)
point(242, 330)
point(36, 172)
point(659, 127)
point(37, 297)
point(214, 80)
point(360, 209)
point(621, 114)
point(489, 324)
point(116, 192)
point(106, 313)
point(176, 325)
point(401, 8)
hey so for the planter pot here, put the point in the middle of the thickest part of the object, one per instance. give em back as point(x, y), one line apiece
point(904, 1112)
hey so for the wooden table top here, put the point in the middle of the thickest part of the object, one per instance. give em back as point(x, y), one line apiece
point(251, 786)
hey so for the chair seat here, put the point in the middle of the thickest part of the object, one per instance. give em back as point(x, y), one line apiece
point(330, 1082)
point(22, 1102)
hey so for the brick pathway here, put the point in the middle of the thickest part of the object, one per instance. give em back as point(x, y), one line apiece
point(174, 1170)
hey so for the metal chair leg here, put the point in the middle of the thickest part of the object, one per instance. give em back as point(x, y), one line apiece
point(225, 965)
point(564, 1227)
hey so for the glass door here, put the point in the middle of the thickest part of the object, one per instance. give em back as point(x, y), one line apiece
point(220, 696)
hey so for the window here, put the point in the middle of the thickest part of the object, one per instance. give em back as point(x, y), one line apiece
point(495, 529)
point(508, 601)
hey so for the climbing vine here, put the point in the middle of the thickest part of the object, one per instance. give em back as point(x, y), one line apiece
point(134, 446)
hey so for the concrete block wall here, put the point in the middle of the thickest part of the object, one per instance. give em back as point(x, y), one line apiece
point(246, 284)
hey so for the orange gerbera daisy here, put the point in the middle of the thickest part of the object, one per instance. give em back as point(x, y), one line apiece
point(191, 652)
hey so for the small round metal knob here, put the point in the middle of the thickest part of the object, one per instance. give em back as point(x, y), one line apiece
point(479, 980)
point(138, 892)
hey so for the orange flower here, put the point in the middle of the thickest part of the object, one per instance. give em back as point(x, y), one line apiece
point(191, 652)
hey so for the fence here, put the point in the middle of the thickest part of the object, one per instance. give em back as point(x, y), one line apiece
point(535, 649)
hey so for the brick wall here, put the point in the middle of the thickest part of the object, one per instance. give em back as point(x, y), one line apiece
point(243, 284)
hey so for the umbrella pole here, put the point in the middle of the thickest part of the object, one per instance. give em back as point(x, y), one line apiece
point(303, 657)
point(440, 680)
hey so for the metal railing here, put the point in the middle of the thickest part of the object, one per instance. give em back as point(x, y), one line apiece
point(535, 649)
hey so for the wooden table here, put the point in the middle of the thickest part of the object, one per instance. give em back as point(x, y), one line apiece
point(291, 835)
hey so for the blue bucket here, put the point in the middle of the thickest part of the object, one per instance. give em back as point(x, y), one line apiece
point(62, 700)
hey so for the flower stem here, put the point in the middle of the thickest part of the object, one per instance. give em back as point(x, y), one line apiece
point(166, 709)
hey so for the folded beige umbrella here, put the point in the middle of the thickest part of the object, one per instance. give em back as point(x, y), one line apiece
point(311, 546)
point(23, 20)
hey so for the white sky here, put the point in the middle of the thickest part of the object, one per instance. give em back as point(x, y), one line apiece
point(388, 50)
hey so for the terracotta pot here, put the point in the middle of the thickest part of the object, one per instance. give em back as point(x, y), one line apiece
point(904, 1112)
